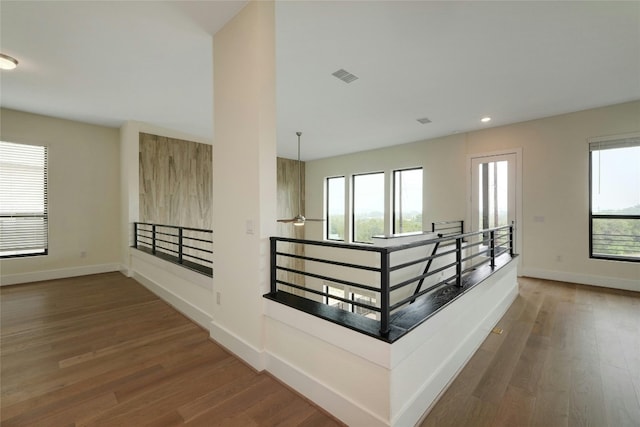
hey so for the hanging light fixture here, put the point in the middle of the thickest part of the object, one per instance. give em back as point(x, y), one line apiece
point(7, 62)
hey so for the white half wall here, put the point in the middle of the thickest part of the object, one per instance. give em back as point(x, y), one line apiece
point(364, 381)
point(189, 292)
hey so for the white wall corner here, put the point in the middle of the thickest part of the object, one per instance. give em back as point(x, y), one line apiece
point(250, 354)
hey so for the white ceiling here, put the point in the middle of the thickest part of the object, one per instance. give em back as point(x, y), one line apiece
point(453, 62)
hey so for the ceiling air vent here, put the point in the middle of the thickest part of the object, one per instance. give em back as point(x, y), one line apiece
point(424, 120)
point(345, 76)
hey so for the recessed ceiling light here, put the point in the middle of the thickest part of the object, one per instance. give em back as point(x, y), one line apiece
point(485, 119)
point(424, 120)
point(7, 62)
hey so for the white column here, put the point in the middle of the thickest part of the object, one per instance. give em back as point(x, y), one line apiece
point(244, 177)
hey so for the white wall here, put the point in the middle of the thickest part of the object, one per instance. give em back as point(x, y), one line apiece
point(555, 187)
point(84, 199)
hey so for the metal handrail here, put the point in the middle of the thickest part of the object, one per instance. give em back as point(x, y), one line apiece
point(494, 243)
point(180, 252)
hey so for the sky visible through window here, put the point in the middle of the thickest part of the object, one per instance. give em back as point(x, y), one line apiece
point(616, 179)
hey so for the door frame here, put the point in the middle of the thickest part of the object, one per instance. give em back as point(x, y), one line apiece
point(518, 189)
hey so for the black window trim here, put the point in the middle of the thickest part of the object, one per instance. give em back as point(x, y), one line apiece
point(605, 141)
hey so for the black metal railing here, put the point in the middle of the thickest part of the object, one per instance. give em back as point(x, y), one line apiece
point(189, 247)
point(395, 275)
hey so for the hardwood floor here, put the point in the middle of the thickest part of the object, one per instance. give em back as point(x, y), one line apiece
point(569, 356)
point(103, 351)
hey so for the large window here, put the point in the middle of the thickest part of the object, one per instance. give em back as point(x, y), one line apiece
point(335, 208)
point(407, 200)
point(368, 206)
point(615, 199)
point(23, 200)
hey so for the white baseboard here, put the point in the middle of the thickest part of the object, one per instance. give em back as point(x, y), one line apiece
point(340, 406)
point(38, 276)
point(194, 313)
point(583, 279)
point(238, 346)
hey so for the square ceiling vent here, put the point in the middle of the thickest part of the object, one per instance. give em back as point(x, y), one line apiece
point(345, 76)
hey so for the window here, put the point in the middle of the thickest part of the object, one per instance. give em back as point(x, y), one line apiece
point(335, 208)
point(368, 206)
point(407, 200)
point(615, 199)
point(23, 200)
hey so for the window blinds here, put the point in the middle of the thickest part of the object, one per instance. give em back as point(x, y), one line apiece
point(620, 142)
point(23, 199)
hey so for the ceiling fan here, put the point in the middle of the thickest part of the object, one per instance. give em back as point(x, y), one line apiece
point(299, 219)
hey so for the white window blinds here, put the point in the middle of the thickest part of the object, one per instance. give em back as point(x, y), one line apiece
point(23, 200)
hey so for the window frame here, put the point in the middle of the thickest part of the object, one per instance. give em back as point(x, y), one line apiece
point(393, 197)
point(328, 213)
point(595, 144)
point(45, 211)
point(353, 204)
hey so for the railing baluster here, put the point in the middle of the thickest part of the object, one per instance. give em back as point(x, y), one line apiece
point(180, 249)
point(511, 239)
point(384, 292)
point(459, 261)
point(492, 247)
point(153, 239)
point(135, 235)
point(274, 285)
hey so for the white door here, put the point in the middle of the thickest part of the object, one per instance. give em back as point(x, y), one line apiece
point(493, 191)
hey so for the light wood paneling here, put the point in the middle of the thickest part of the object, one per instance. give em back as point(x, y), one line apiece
point(102, 350)
point(569, 356)
point(288, 208)
point(175, 182)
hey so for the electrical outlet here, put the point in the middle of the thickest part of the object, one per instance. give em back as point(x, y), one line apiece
point(218, 298)
point(83, 254)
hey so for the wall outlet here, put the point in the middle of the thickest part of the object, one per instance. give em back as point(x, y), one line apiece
point(83, 254)
point(218, 298)
point(558, 258)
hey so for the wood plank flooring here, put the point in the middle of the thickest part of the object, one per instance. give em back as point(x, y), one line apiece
point(101, 350)
point(569, 356)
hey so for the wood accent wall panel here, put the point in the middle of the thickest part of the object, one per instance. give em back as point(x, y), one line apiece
point(287, 188)
point(175, 182)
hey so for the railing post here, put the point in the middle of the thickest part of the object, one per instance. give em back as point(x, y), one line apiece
point(153, 239)
point(384, 292)
point(274, 285)
point(459, 261)
point(180, 245)
point(492, 246)
point(135, 235)
point(511, 239)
